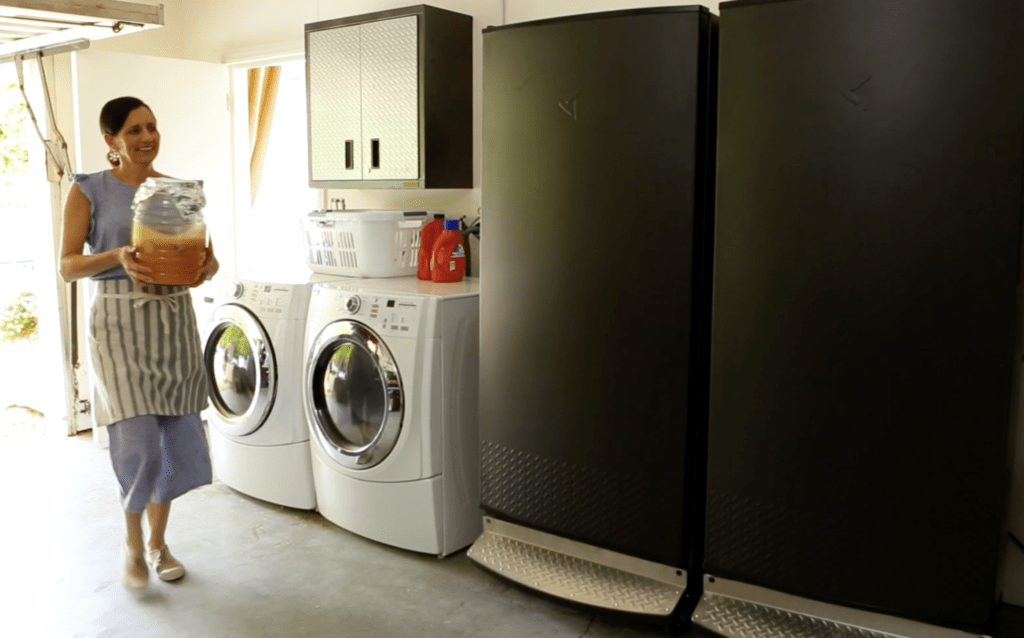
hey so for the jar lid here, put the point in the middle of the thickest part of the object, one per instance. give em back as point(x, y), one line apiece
point(169, 201)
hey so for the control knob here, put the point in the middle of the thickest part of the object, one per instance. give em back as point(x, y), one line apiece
point(235, 289)
point(352, 304)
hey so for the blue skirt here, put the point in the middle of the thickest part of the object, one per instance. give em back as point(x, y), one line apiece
point(158, 458)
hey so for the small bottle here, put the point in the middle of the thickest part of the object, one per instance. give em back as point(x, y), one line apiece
point(449, 261)
point(428, 237)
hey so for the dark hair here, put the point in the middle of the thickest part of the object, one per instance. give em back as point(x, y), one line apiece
point(116, 111)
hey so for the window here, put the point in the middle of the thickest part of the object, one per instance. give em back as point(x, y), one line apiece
point(268, 235)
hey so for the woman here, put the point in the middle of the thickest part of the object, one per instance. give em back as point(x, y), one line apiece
point(147, 394)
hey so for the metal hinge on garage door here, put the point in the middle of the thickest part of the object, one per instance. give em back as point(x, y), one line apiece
point(35, 26)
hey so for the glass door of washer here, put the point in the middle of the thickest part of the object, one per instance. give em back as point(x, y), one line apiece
point(355, 392)
point(242, 370)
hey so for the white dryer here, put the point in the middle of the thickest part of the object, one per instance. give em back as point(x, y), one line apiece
point(253, 351)
point(391, 400)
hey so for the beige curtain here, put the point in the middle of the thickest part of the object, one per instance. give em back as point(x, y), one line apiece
point(262, 99)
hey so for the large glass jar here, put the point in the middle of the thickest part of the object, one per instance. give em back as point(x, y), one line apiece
point(168, 230)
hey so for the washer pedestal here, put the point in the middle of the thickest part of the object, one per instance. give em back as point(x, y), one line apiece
point(280, 474)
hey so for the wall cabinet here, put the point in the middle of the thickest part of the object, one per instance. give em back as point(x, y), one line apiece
point(390, 100)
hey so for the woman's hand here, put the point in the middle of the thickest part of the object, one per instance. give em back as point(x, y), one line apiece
point(208, 269)
point(140, 274)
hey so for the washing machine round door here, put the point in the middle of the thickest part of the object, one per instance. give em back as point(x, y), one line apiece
point(355, 394)
point(242, 370)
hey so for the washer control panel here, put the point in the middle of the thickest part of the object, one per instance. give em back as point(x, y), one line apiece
point(270, 300)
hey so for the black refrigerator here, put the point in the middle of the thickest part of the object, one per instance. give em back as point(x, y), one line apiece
point(597, 193)
point(866, 335)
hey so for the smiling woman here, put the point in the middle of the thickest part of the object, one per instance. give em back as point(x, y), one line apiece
point(136, 138)
point(148, 381)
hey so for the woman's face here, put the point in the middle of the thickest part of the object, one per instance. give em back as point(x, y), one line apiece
point(138, 141)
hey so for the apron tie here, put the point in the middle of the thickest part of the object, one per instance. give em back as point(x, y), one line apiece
point(140, 298)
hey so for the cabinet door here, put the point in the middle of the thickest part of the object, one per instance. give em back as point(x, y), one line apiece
point(390, 99)
point(335, 104)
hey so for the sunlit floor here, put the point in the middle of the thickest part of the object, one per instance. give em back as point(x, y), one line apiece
point(254, 569)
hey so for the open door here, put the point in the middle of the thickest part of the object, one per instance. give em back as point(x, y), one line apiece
point(191, 103)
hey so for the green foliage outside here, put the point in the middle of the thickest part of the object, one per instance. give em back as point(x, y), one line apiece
point(13, 126)
point(18, 321)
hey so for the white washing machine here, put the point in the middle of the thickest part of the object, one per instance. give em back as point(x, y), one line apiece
point(390, 395)
point(253, 351)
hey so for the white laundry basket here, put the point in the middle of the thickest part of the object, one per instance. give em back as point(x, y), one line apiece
point(363, 243)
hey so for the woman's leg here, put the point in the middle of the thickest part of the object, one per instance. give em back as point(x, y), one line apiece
point(185, 465)
point(134, 574)
point(166, 566)
point(158, 515)
point(134, 541)
point(135, 453)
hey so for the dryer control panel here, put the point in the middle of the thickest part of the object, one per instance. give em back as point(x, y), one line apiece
point(398, 316)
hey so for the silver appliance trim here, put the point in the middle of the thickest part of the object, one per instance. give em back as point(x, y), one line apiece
point(265, 383)
point(577, 572)
point(738, 610)
point(326, 344)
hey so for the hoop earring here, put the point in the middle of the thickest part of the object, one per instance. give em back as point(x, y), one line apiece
point(114, 157)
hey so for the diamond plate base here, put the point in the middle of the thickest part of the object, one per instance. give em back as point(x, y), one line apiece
point(577, 572)
point(736, 610)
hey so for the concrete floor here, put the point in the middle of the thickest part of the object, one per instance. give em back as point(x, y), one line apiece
point(254, 569)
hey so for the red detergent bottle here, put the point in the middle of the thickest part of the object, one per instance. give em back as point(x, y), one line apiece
point(449, 263)
point(428, 237)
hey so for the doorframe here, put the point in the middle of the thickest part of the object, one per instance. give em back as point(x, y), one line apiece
point(71, 300)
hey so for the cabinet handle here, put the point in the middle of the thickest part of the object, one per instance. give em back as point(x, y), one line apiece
point(350, 160)
point(374, 153)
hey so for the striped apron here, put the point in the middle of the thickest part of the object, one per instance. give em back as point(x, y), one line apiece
point(146, 353)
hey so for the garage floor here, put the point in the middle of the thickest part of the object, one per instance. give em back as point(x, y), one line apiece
point(254, 569)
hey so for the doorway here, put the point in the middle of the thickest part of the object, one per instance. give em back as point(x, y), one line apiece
point(32, 400)
point(267, 231)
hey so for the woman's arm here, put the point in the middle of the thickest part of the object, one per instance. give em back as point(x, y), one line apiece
point(74, 264)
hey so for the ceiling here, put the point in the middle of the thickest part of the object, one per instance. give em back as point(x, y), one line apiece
point(64, 25)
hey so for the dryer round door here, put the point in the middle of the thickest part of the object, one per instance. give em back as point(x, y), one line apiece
point(355, 395)
point(242, 369)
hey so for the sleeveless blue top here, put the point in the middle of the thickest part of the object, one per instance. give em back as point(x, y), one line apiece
point(112, 214)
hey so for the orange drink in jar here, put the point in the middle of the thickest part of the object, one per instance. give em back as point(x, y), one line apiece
point(175, 258)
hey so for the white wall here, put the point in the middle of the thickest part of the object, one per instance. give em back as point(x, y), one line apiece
point(173, 40)
point(258, 31)
point(220, 30)
point(194, 141)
